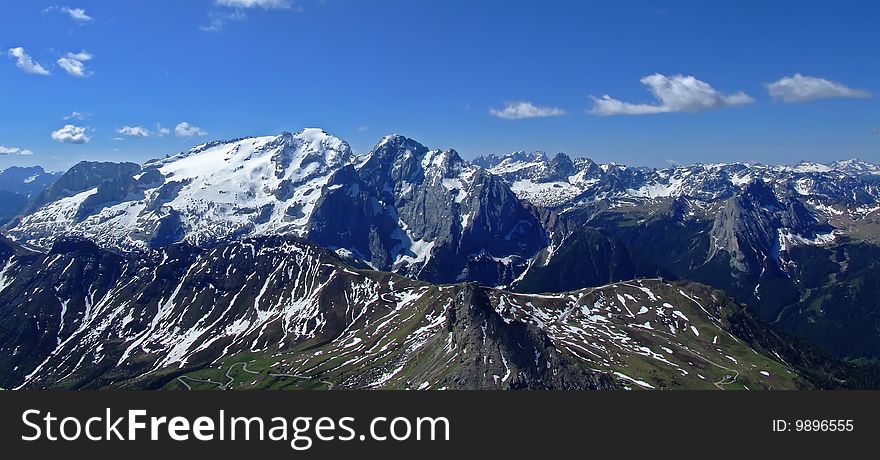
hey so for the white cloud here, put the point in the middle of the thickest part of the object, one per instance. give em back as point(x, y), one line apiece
point(265, 4)
point(798, 88)
point(678, 93)
point(71, 134)
point(74, 64)
point(77, 116)
point(184, 129)
point(14, 151)
point(216, 20)
point(77, 14)
point(133, 131)
point(25, 63)
point(607, 106)
point(524, 109)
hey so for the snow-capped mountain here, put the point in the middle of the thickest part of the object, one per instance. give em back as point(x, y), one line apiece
point(252, 186)
point(284, 243)
point(563, 184)
point(427, 214)
point(431, 215)
point(402, 207)
point(279, 312)
point(756, 224)
point(812, 203)
point(795, 242)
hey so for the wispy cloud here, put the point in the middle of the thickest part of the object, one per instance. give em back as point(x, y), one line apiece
point(800, 88)
point(217, 20)
point(162, 131)
point(25, 63)
point(71, 134)
point(184, 129)
point(14, 151)
point(523, 109)
point(74, 64)
point(265, 4)
point(77, 116)
point(133, 131)
point(77, 14)
point(234, 11)
point(678, 93)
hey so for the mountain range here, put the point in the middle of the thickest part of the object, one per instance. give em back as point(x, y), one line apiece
point(18, 185)
point(290, 262)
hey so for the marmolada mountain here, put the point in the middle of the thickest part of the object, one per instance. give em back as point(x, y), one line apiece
point(288, 262)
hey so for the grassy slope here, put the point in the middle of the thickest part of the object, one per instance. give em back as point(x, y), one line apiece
point(714, 359)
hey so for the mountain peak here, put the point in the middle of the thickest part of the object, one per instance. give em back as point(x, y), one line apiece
point(394, 149)
point(856, 166)
point(397, 141)
point(318, 145)
point(758, 194)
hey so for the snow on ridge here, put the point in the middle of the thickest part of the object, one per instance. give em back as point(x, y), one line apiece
point(271, 184)
point(254, 185)
point(535, 180)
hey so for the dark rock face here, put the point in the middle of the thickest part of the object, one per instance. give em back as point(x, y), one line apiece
point(518, 349)
point(167, 231)
point(110, 191)
point(748, 227)
point(86, 175)
point(499, 226)
point(427, 214)
point(349, 216)
point(562, 167)
point(167, 192)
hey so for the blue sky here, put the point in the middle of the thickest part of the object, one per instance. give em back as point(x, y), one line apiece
point(774, 82)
